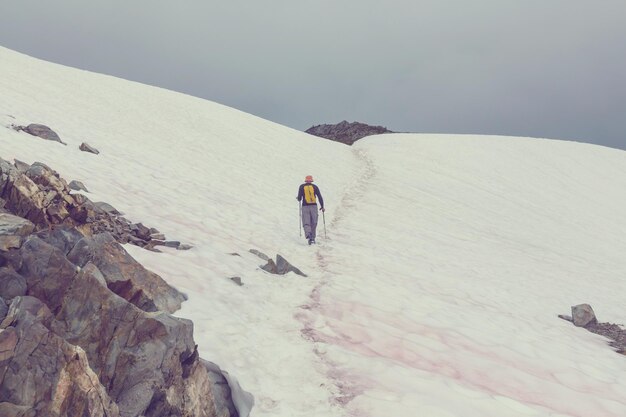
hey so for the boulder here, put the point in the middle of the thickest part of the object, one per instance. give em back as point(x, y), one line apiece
point(87, 148)
point(583, 315)
point(41, 131)
point(125, 276)
point(62, 237)
point(77, 186)
point(13, 229)
point(21, 166)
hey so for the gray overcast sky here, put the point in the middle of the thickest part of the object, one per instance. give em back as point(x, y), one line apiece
point(543, 68)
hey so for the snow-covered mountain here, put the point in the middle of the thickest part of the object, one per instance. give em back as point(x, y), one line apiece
point(437, 289)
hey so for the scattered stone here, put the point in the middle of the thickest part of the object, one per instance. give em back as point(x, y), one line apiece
point(280, 267)
point(157, 236)
point(87, 148)
point(270, 267)
point(41, 131)
point(184, 246)
point(260, 254)
point(234, 254)
point(236, 280)
point(583, 315)
point(283, 267)
point(78, 186)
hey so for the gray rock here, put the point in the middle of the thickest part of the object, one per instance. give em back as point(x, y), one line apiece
point(47, 271)
point(4, 309)
point(236, 280)
point(62, 237)
point(125, 276)
point(184, 246)
point(106, 207)
point(42, 131)
point(78, 186)
point(13, 230)
point(21, 166)
point(260, 254)
point(583, 315)
point(12, 284)
point(41, 372)
point(270, 267)
point(87, 148)
point(283, 267)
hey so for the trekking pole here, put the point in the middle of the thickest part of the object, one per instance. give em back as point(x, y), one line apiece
point(300, 221)
point(324, 218)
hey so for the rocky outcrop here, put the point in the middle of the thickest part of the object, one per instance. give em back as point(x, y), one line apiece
point(346, 132)
point(41, 131)
point(85, 330)
point(78, 340)
point(37, 193)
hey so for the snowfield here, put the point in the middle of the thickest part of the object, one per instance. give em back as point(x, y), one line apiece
point(437, 289)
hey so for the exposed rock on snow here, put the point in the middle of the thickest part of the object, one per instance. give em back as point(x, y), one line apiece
point(87, 148)
point(260, 254)
point(346, 132)
point(41, 131)
point(280, 267)
point(89, 332)
point(37, 193)
point(236, 280)
point(583, 315)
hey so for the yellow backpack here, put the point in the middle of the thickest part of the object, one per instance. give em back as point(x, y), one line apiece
point(309, 194)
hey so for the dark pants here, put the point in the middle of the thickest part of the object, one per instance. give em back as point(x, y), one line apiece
point(309, 220)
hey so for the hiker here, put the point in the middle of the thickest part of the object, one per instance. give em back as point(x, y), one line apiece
point(307, 194)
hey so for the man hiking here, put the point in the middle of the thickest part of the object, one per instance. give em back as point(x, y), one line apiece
point(308, 194)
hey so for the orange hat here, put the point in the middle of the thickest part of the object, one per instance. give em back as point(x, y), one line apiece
point(309, 178)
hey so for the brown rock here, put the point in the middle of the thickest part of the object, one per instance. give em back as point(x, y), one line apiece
point(125, 276)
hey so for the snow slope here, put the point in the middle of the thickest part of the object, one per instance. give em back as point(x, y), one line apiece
point(436, 292)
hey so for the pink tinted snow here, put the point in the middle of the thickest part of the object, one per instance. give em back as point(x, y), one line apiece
point(496, 371)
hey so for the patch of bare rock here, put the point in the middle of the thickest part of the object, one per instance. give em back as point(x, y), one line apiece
point(84, 328)
point(279, 267)
point(584, 316)
point(37, 193)
point(346, 132)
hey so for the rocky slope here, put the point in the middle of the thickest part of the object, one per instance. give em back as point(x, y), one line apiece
point(84, 329)
point(346, 132)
